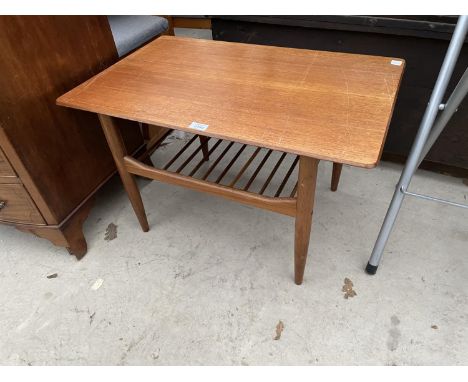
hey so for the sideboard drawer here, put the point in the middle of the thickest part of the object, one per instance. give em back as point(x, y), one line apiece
point(16, 205)
point(5, 168)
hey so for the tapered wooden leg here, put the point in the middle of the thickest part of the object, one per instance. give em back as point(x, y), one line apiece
point(117, 147)
point(145, 131)
point(336, 176)
point(204, 144)
point(304, 208)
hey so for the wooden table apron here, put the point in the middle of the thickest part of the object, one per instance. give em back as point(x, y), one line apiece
point(350, 127)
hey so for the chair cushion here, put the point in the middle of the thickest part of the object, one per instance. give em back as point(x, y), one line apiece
point(130, 32)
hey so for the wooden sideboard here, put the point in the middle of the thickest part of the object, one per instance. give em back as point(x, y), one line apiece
point(53, 159)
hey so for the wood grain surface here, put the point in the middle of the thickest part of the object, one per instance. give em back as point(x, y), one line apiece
point(5, 168)
point(325, 105)
point(59, 154)
point(18, 206)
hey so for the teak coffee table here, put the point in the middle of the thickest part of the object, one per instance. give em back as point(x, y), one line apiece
point(313, 105)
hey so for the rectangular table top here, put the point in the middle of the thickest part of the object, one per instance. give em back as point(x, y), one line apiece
point(326, 105)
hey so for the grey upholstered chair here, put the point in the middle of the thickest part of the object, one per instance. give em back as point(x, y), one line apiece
point(131, 32)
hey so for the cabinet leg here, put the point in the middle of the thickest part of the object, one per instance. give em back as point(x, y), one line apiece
point(72, 231)
point(336, 176)
point(304, 209)
point(69, 234)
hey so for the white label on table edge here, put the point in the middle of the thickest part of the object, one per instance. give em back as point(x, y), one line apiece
point(396, 62)
point(198, 126)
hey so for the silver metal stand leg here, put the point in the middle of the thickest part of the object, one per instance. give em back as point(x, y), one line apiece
point(421, 143)
point(449, 109)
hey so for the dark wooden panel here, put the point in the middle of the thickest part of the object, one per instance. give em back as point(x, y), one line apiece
point(421, 44)
point(64, 151)
point(435, 27)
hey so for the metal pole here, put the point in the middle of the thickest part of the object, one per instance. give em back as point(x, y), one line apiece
point(438, 200)
point(451, 106)
point(420, 141)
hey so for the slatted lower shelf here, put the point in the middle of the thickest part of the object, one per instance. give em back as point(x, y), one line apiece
point(217, 153)
point(228, 169)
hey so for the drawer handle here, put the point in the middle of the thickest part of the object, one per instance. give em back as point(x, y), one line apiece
point(2, 204)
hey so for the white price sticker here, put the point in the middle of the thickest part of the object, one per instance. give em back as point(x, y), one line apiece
point(198, 126)
point(396, 62)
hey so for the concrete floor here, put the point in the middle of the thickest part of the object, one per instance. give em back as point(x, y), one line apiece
point(210, 282)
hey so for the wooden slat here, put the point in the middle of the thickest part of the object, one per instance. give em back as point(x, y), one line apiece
point(293, 192)
point(286, 178)
point(246, 165)
point(233, 160)
point(188, 160)
point(326, 105)
point(286, 206)
point(257, 170)
point(270, 177)
point(154, 143)
point(179, 153)
point(212, 150)
point(221, 156)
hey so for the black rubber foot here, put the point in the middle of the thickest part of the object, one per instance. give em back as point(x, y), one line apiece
point(371, 269)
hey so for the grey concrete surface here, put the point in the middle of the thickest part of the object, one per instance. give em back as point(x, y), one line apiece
point(212, 279)
point(210, 282)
